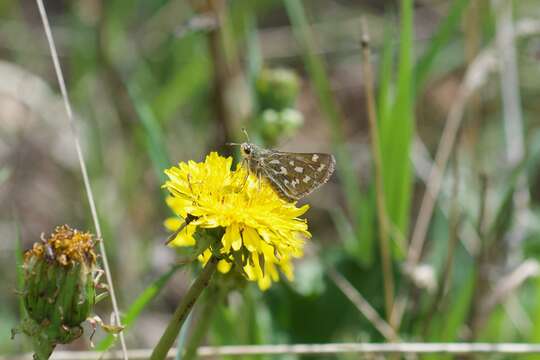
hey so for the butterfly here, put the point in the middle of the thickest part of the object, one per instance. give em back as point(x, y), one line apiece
point(291, 175)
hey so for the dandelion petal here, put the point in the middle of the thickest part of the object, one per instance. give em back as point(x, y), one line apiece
point(251, 239)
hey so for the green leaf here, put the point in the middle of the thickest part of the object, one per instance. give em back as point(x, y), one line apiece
point(448, 27)
point(138, 306)
point(396, 131)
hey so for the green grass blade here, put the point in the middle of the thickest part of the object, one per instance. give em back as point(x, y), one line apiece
point(396, 134)
point(138, 306)
point(446, 30)
point(317, 73)
point(456, 316)
point(152, 134)
point(385, 89)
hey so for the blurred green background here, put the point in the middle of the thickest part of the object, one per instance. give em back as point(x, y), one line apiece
point(153, 83)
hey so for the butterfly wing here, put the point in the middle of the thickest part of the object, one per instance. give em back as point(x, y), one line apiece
point(295, 175)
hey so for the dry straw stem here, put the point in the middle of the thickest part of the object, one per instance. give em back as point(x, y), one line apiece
point(382, 215)
point(223, 66)
point(82, 164)
point(362, 305)
point(311, 349)
point(476, 75)
point(508, 284)
point(467, 230)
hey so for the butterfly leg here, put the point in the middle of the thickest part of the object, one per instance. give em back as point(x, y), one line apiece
point(189, 183)
point(245, 165)
point(189, 218)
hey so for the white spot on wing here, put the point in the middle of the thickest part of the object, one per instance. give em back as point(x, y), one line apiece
point(291, 163)
point(299, 169)
point(283, 170)
point(275, 161)
point(315, 157)
point(306, 179)
point(321, 167)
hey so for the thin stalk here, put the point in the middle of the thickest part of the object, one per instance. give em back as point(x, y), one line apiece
point(327, 350)
point(19, 264)
point(222, 73)
point(82, 165)
point(388, 277)
point(362, 305)
point(183, 309)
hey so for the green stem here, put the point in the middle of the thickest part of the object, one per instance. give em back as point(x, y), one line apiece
point(183, 309)
point(43, 348)
point(213, 298)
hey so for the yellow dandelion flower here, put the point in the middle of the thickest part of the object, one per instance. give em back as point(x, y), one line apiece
point(260, 231)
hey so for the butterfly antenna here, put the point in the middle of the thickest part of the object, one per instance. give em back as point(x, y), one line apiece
point(232, 144)
point(245, 133)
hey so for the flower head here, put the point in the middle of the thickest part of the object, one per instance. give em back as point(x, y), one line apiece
point(261, 233)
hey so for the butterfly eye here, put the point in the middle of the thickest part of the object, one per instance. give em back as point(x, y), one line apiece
point(246, 149)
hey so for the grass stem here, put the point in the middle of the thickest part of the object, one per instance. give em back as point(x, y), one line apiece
point(388, 277)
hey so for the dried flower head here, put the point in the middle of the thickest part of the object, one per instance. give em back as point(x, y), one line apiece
point(261, 233)
point(65, 246)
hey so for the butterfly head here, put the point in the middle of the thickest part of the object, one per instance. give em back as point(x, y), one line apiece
point(248, 150)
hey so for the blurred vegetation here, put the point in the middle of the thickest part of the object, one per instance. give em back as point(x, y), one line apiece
point(158, 82)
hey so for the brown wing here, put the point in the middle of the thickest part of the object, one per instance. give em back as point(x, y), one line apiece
point(295, 175)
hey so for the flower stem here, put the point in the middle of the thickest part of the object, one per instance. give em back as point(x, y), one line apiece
point(212, 299)
point(183, 309)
